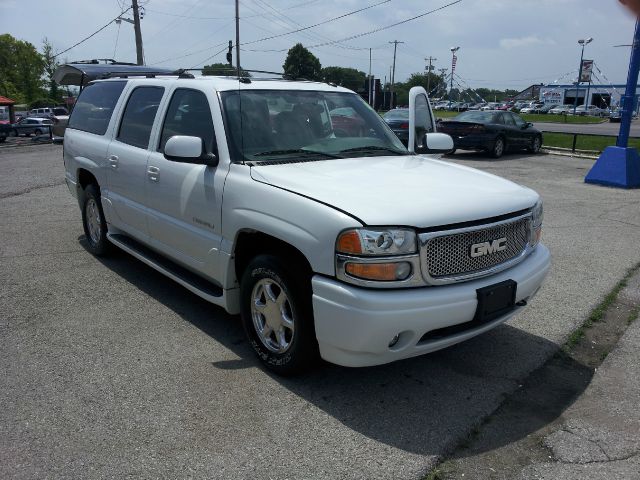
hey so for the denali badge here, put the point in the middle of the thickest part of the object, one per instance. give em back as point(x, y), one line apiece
point(486, 248)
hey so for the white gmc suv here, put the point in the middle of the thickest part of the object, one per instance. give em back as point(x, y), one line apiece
point(293, 204)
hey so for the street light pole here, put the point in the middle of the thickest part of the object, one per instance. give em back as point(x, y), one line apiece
point(583, 43)
point(453, 69)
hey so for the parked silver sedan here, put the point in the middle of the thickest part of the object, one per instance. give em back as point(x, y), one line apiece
point(31, 125)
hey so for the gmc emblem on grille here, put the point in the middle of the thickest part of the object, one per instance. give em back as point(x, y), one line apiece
point(487, 248)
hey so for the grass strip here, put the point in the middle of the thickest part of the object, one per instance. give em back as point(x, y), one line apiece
point(597, 314)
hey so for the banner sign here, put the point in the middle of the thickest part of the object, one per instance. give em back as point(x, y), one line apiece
point(453, 63)
point(587, 69)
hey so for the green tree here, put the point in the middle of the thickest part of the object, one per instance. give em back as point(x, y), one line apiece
point(347, 77)
point(223, 69)
point(22, 69)
point(301, 63)
point(50, 66)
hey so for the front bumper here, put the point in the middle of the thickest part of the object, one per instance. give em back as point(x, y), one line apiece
point(355, 325)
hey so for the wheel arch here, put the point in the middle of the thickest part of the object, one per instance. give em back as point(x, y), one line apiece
point(84, 178)
point(249, 243)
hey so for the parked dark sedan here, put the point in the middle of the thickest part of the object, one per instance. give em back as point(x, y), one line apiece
point(492, 131)
point(398, 120)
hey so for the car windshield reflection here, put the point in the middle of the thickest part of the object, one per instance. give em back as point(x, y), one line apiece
point(264, 125)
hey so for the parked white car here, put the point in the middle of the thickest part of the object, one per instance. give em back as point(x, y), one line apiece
point(349, 247)
point(561, 110)
point(590, 110)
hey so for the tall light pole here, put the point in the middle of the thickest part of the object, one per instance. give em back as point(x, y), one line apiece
point(582, 42)
point(453, 69)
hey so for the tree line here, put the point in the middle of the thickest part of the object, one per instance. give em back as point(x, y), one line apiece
point(26, 74)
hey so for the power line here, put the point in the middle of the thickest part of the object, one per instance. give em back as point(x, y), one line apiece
point(198, 17)
point(318, 24)
point(93, 34)
point(358, 35)
point(210, 58)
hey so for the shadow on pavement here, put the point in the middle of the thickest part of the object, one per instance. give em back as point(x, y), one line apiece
point(416, 405)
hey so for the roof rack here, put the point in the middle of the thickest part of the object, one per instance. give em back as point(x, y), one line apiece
point(81, 73)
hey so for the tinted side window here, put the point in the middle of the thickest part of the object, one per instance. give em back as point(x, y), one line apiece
point(189, 114)
point(508, 119)
point(138, 116)
point(94, 107)
point(518, 121)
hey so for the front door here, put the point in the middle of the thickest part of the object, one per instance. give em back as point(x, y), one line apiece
point(185, 199)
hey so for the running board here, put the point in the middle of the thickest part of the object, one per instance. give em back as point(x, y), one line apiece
point(189, 280)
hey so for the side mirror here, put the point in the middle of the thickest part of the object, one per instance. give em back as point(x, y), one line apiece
point(436, 143)
point(527, 125)
point(182, 148)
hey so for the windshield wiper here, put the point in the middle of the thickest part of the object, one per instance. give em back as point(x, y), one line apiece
point(368, 148)
point(294, 151)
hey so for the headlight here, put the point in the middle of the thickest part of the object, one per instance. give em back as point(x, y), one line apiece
point(376, 242)
point(537, 215)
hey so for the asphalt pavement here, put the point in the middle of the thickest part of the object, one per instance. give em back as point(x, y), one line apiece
point(605, 128)
point(110, 369)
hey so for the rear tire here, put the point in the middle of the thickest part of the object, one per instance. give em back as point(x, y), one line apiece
point(498, 148)
point(277, 315)
point(94, 223)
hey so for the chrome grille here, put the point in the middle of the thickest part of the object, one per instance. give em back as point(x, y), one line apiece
point(450, 255)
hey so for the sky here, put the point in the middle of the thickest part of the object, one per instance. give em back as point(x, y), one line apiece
point(503, 43)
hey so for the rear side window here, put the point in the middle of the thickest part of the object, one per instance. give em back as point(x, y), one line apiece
point(94, 107)
point(139, 114)
point(189, 114)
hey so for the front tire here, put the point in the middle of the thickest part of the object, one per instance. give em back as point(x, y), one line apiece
point(277, 315)
point(498, 148)
point(536, 145)
point(94, 223)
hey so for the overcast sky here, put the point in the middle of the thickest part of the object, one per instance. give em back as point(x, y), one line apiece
point(503, 43)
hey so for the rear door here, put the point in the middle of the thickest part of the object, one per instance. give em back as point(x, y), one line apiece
point(127, 160)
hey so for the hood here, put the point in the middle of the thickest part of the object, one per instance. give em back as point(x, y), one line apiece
point(415, 191)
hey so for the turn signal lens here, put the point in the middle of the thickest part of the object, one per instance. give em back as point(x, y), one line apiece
point(349, 242)
point(537, 235)
point(385, 272)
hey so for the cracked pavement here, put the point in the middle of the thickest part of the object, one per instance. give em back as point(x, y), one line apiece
point(109, 369)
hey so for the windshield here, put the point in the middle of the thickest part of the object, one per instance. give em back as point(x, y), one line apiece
point(265, 125)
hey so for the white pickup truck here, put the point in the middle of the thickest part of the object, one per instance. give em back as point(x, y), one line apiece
point(294, 204)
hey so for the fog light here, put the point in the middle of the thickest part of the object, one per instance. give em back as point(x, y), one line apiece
point(394, 340)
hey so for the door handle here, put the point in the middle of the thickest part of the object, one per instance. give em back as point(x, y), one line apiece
point(153, 173)
point(113, 161)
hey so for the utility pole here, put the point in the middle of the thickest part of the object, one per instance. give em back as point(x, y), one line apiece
point(238, 37)
point(454, 61)
point(393, 74)
point(429, 68)
point(369, 76)
point(136, 29)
